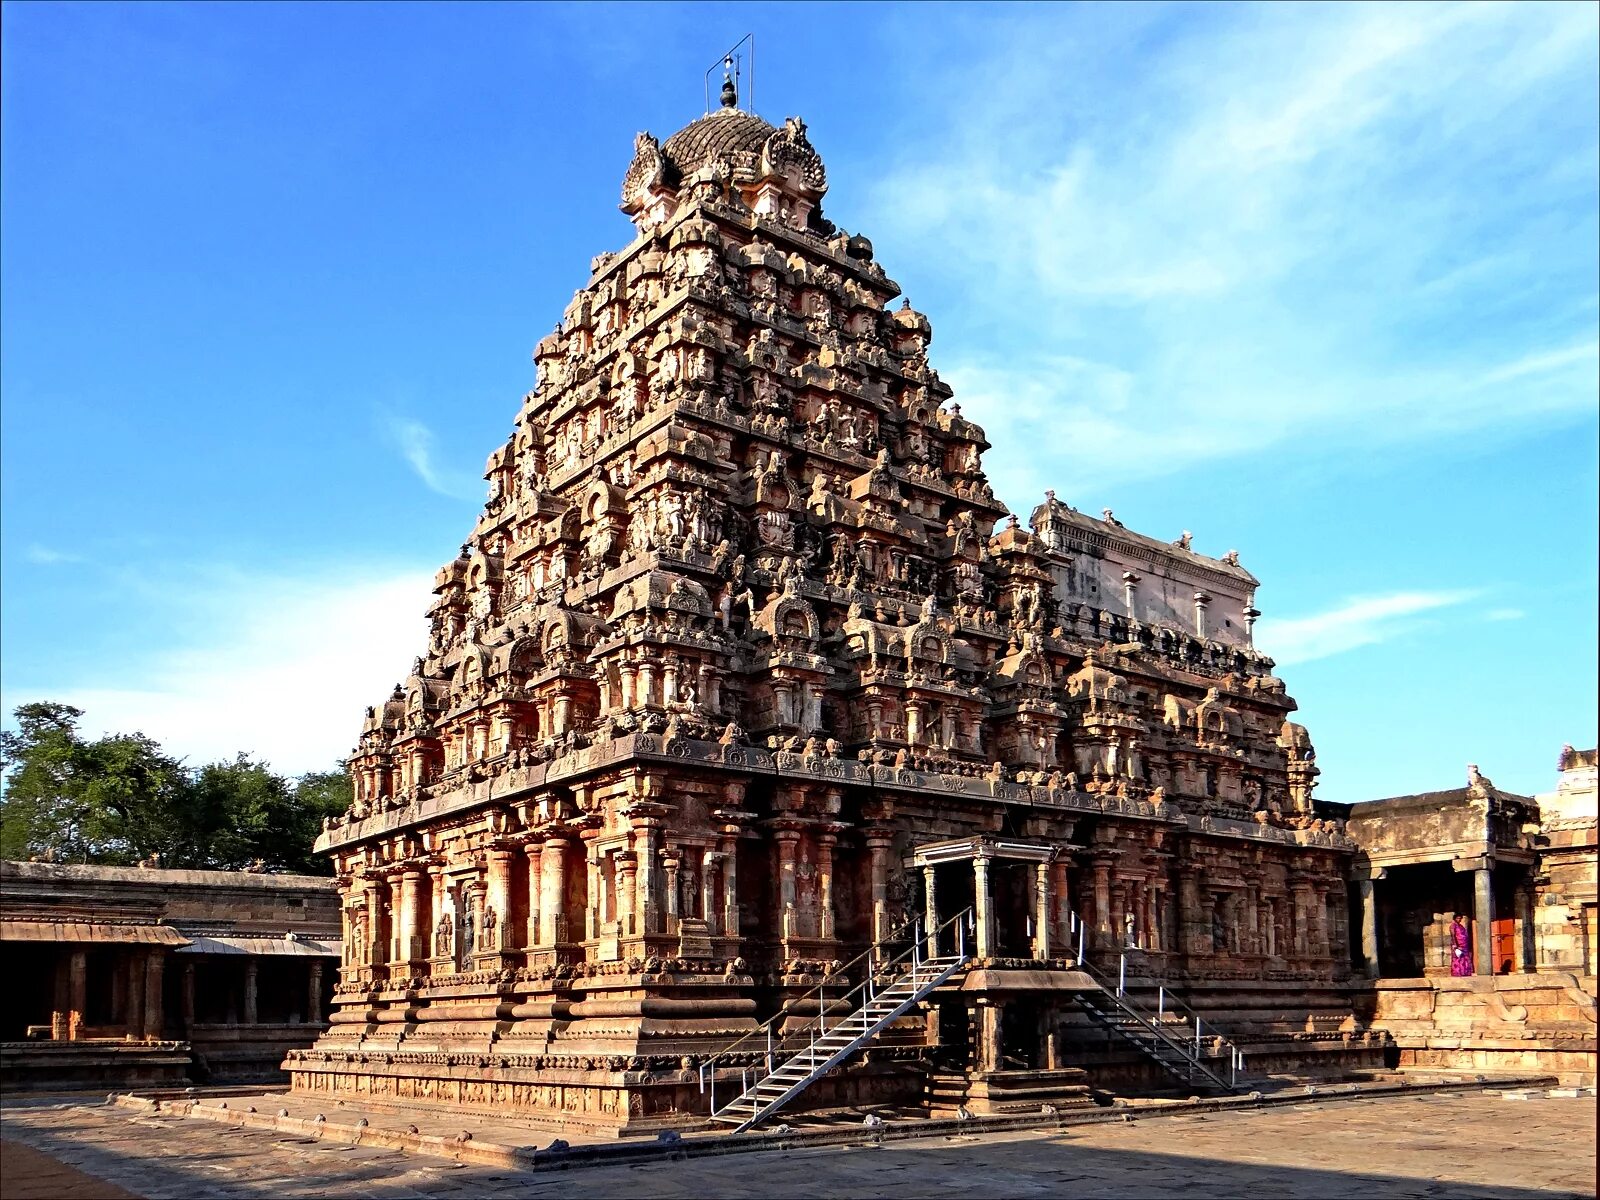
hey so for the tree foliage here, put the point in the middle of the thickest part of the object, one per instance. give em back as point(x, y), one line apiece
point(121, 799)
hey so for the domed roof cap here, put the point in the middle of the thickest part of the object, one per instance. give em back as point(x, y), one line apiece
point(728, 135)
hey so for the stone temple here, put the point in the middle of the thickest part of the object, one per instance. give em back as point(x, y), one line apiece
point(745, 668)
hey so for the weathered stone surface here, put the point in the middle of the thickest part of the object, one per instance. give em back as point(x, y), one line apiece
point(133, 976)
point(1520, 872)
point(731, 639)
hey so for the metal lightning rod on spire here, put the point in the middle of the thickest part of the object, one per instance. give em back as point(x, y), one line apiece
point(731, 63)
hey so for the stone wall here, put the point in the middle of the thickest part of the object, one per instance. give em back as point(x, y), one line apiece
point(1542, 1022)
point(1565, 915)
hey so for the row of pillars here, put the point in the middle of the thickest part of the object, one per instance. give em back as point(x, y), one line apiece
point(143, 1012)
point(638, 889)
point(1134, 918)
point(983, 908)
point(1483, 916)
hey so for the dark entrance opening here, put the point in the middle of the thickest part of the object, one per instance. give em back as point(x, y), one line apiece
point(954, 891)
point(954, 1052)
point(1011, 902)
point(1021, 1043)
point(29, 999)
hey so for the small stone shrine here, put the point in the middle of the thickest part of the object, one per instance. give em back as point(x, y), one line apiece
point(733, 644)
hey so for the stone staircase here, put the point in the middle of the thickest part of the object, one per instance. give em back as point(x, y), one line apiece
point(830, 1047)
point(1176, 1054)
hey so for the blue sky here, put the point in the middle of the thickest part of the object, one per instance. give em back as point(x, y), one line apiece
point(1316, 283)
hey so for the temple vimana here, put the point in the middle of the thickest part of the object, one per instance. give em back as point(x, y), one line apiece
point(746, 691)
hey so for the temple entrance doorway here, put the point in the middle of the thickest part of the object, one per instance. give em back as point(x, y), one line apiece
point(1504, 943)
point(29, 1001)
point(1021, 1042)
point(1003, 883)
point(1011, 886)
point(954, 1052)
point(955, 892)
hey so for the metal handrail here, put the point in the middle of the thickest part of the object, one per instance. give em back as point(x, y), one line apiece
point(1165, 1002)
point(915, 951)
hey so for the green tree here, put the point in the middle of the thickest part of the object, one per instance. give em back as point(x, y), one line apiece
point(122, 799)
point(317, 795)
point(44, 810)
point(115, 800)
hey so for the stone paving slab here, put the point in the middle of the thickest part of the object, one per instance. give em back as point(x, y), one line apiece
point(1448, 1144)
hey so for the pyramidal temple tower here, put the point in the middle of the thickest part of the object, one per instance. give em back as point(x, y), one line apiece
point(734, 678)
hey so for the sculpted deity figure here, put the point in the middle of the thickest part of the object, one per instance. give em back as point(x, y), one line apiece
point(444, 936)
point(672, 524)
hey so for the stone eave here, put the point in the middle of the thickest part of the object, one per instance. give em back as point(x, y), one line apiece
point(647, 749)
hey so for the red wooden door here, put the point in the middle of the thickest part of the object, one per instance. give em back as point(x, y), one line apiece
point(1504, 942)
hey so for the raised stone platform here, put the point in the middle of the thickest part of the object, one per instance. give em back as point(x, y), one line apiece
point(1541, 1022)
point(100, 1064)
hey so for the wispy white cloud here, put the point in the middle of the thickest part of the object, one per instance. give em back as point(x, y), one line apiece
point(1358, 621)
point(416, 444)
point(47, 556)
point(1335, 223)
point(278, 666)
point(1504, 614)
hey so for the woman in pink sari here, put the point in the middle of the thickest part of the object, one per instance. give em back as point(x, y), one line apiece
point(1460, 947)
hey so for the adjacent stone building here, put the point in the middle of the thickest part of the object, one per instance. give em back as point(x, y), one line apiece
point(127, 975)
point(1522, 871)
point(1565, 925)
point(734, 647)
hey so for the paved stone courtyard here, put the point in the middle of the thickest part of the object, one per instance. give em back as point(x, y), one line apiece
point(1443, 1144)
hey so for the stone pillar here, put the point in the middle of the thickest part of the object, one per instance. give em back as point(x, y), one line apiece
point(532, 934)
point(1041, 911)
point(984, 906)
point(878, 843)
point(1366, 894)
point(1319, 922)
point(646, 849)
point(314, 992)
point(252, 968)
point(410, 915)
point(710, 861)
point(553, 892)
point(627, 864)
point(77, 993)
point(1483, 920)
point(671, 859)
point(990, 1045)
point(787, 840)
point(1191, 925)
point(1061, 905)
point(377, 945)
point(1527, 946)
point(472, 897)
point(1104, 932)
point(438, 895)
point(188, 997)
point(499, 899)
point(591, 918)
point(1157, 935)
point(154, 1018)
point(825, 917)
point(1301, 891)
point(730, 886)
point(132, 994)
point(930, 911)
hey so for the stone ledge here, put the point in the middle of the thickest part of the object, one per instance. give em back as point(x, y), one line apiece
point(783, 1137)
